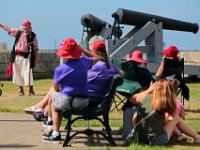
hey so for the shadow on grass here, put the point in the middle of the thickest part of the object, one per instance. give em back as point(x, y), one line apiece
point(188, 143)
point(192, 80)
point(192, 110)
point(96, 140)
point(173, 143)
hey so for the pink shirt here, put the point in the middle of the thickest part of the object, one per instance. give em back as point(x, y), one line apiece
point(180, 107)
point(22, 43)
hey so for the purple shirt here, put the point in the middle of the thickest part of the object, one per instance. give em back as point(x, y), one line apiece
point(72, 76)
point(99, 77)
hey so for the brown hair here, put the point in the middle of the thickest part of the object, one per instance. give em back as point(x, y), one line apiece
point(164, 97)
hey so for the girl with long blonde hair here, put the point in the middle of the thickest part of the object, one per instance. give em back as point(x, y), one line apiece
point(155, 104)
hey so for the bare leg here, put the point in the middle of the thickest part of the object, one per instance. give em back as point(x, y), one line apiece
point(182, 114)
point(43, 103)
point(182, 126)
point(49, 108)
point(179, 135)
point(57, 118)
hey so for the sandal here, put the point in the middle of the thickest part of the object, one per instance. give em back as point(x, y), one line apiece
point(32, 109)
point(182, 137)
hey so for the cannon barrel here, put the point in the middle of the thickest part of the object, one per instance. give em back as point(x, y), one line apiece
point(135, 18)
point(92, 22)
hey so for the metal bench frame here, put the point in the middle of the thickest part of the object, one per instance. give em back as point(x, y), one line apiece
point(94, 113)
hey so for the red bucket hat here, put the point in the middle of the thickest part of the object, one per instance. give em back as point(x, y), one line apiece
point(99, 45)
point(69, 49)
point(171, 51)
point(26, 23)
point(137, 56)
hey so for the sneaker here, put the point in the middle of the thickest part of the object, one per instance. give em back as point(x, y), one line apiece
point(47, 134)
point(47, 123)
point(39, 116)
point(50, 138)
point(32, 109)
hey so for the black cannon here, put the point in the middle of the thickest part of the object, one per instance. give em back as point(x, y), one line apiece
point(130, 17)
point(92, 22)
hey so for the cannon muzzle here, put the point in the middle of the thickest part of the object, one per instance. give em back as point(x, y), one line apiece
point(92, 22)
point(135, 18)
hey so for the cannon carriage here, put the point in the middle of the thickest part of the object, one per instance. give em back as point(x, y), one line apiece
point(146, 29)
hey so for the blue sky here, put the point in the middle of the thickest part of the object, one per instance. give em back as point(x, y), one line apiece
point(55, 20)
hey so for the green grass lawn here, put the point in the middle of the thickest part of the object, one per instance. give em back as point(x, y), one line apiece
point(11, 102)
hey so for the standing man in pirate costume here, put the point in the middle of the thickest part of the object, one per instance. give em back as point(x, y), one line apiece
point(24, 55)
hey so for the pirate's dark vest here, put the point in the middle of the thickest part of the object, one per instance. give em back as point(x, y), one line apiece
point(31, 48)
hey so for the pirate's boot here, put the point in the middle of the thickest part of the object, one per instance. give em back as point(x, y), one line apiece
point(32, 92)
point(21, 92)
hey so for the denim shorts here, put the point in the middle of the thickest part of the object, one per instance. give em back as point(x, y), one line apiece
point(160, 139)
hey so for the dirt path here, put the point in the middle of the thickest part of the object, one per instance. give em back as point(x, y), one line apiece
point(21, 131)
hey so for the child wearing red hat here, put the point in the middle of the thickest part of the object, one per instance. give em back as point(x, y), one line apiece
point(172, 53)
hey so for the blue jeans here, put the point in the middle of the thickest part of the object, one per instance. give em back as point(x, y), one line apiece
point(161, 139)
point(127, 121)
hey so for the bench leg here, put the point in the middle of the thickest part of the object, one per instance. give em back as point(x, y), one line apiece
point(68, 127)
point(108, 129)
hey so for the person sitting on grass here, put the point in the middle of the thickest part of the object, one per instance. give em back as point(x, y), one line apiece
point(177, 82)
point(171, 53)
point(150, 124)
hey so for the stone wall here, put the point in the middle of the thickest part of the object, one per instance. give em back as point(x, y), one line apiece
point(191, 57)
point(48, 60)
